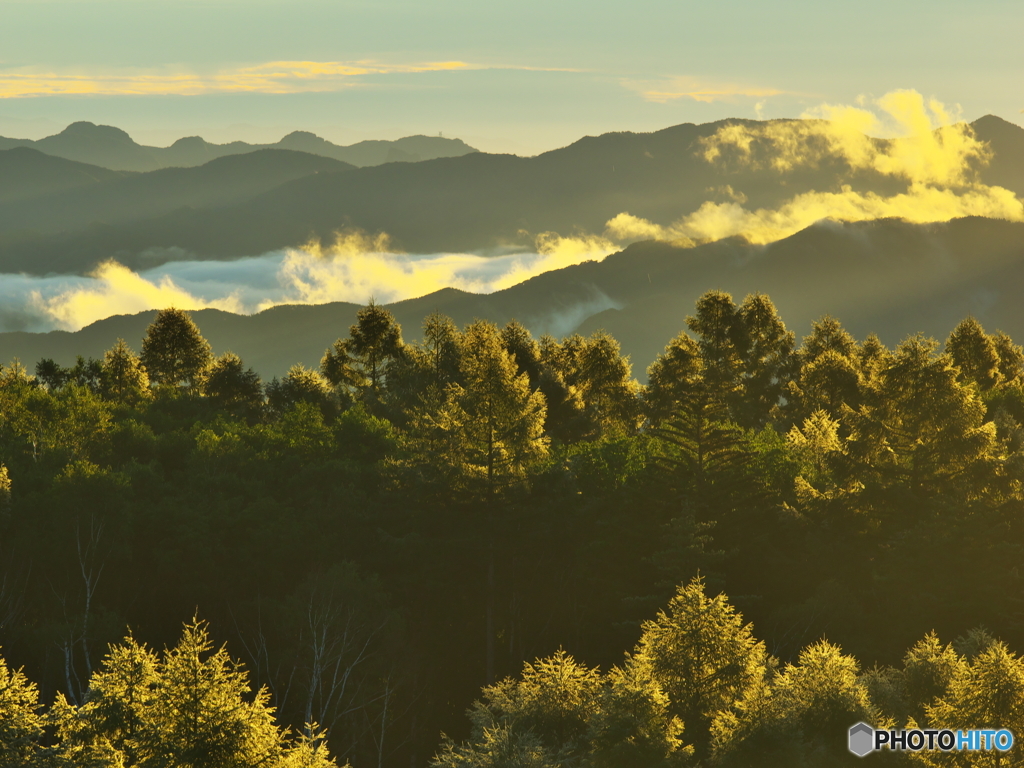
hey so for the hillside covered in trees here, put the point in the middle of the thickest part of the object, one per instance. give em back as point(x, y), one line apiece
point(378, 538)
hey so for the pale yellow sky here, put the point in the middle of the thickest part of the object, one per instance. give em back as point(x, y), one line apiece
point(510, 77)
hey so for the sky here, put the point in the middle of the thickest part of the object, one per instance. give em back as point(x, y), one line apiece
point(519, 77)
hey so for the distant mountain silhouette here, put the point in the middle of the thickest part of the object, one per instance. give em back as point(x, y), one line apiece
point(884, 276)
point(121, 197)
point(26, 173)
point(112, 148)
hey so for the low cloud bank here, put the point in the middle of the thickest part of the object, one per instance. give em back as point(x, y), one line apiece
point(354, 268)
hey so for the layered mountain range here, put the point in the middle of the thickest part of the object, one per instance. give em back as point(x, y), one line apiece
point(63, 216)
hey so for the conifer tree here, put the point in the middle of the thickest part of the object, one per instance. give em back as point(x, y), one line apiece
point(768, 359)
point(233, 387)
point(927, 432)
point(598, 394)
point(375, 341)
point(703, 656)
point(174, 352)
point(722, 340)
point(828, 382)
point(827, 335)
point(21, 724)
point(112, 726)
point(1011, 359)
point(673, 378)
point(301, 385)
point(201, 716)
point(928, 669)
point(124, 379)
point(492, 428)
point(989, 690)
point(518, 341)
point(339, 368)
point(975, 354)
point(794, 718)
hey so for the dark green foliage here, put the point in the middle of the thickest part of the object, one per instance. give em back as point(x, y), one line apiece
point(233, 387)
point(390, 533)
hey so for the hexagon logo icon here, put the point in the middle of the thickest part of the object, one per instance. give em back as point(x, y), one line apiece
point(862, 739)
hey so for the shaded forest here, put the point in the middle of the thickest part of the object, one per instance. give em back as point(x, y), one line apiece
point(378, 539)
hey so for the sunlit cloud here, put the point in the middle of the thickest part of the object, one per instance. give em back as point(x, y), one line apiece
point(929, 146)
point(353, 268)
point(269, 77)
point(937, 158)
point(675, 88)
point(920, 205)
point(113, 289)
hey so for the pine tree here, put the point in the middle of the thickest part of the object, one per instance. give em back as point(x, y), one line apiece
point(989, 690)
point(926, 432)
point(174, 352)
point(375, 341)
point(768, 360)
point(233, 387)
point(21, 724)
point(718, 326)
point(114, 725)
point(1011, 359)
point(827, 335)
point(975, 354)
point(928, 669)
point(598, 395)
point(673, 378)
point(200, 715)
point(703, 656)
point(518, 342)
point(301, 385)
point(124, 379)
point(482, 435)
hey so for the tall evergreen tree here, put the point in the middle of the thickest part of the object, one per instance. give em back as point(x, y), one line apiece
point(673, 379)
point(375, 341)
point(124, 379)
point(768, 360)
point(232, 386)
point(703, 656)
point(174, 352)
point(975, 354)
point(21, 723)
point(927, 431)
point(721, 336)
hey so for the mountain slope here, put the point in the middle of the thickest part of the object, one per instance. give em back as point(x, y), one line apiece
point(885, 276)
point(27, 173)
point(220, 182)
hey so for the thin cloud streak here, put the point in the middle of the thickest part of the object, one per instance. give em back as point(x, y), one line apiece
point(676, 88)
point(274, 77)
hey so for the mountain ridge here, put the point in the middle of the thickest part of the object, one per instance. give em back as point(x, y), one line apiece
point(112, 148)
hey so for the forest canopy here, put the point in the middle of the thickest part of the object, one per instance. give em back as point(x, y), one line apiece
point(379, 539)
